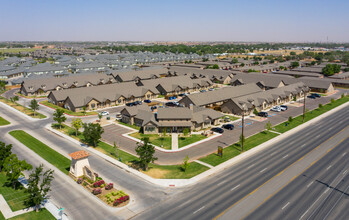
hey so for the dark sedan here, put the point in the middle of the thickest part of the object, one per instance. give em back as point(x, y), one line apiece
point(228, 126)
point(218, 130)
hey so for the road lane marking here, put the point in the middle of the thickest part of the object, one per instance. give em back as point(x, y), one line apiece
point(235, 187)
point(221, 182)
point(199, 209)
point(255, 190)
point(285, 205)
point(263, 170)
point(273, 153)
point(250, 166)
point(310, 184)
point(317, 136)
point(344, 154)
point(345, 172)
point(184, 203)
point(285, 156)
point(329, 167)
point(302, 145)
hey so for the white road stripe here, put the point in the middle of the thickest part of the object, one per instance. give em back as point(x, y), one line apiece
point(285, 156)
point(345, 172)
point(329, 167)
point(317, 136)
point(250, 166)
point(303, 145)
point(344, 154)
point(273, 153)
point(286, 205)
point(263, 170)
point(199, 209)
point(235, 187)
point(221, 182)
point(310, 184)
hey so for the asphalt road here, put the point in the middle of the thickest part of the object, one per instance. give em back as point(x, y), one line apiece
point(321, 192)
point(214, 195)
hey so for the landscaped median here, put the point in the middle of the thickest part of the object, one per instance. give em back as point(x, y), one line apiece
point(22, 108)
point(16, 199)
point(166, 141)
point(66, 111)
point(3, 121)
point(155, 171)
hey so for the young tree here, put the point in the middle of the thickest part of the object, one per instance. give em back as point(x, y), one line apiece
point(59, 117)
point(84, 110)
point(116, 150)
point(2, 85)
point(185, 131)
point(34, 105)
point(39, 184)
point(92, 133)
point(255, 112)
point(186, 163)
point(14, 168)
point(5, 151)
point(145, 151)
point(294, 64)
point(77, 124)
point(100, 116)
point(268, 126)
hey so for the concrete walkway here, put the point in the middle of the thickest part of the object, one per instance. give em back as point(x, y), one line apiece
point(174, 139)
point(7, 212)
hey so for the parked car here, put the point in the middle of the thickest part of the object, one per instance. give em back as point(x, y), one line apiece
point(316, 95)
point(130, 104)
point(283, 107)
point(203, 90)
point(171, 104)
point(118, 116)
point(227, 119)
point(218, 130)
point(138, 102)
point(311, 97)
point(210, 89)
point(263, 114)
point(276, 109)
point(147, 101)
point(153, 107)
point(228, 126)
point(104, 113)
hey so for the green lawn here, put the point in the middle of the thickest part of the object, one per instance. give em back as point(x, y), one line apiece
point(128, 125)
point(43, 214)
point(283, 127)
point(66, 110)
point(21, 108)
point(235, 149)
point(167, 141)
point(3, 122)
point(14, 197)
point(232, 118)
point(44, 151)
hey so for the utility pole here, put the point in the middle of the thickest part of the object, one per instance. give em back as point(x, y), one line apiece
point(303, 105)
point(242, 131)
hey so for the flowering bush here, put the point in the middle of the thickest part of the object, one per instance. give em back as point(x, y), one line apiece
point(97, 191)
point(79, 181)
point(121, 200)
point(109, 186)
point(98, 183)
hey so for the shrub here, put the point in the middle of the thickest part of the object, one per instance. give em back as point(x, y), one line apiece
point(320, 105)
point(98, 183)
point(121, 200)
point(79, 181)
point(255, 111)
point(109, 186)
point(114, 193)
point(97, 191)
point(290, 119)
point(342, 96)
point(332, 100)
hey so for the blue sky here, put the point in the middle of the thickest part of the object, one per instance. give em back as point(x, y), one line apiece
point(190, 20)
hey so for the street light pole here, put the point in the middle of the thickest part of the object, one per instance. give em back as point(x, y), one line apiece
point(242, 131)
point(303, 105)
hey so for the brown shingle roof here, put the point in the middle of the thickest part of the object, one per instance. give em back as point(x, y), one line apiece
point(79, 155)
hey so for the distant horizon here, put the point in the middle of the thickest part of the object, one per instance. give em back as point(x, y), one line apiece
point(271, 21)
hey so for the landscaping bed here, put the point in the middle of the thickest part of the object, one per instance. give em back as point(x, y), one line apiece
point(3, 121)
point(66, 111)
point(104, 191)
point(44, 151)
point(21, 108)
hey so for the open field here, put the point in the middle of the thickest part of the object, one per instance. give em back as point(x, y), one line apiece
point(17, 50)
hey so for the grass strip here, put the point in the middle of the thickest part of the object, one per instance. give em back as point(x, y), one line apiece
point(3, 122)
point(44, 151)
point(22, 108)
point(66, 110)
